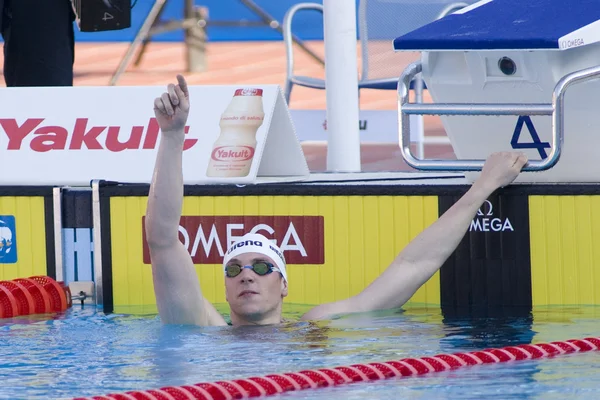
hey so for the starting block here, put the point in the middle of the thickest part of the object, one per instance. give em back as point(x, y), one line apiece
point(510, 75)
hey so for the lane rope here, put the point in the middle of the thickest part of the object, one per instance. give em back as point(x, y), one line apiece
point(311, 379)
point(37, 294)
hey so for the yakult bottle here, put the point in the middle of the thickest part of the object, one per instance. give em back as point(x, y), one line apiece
point(233, 151)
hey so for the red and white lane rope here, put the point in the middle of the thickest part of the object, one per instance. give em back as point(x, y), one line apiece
point(312, 379)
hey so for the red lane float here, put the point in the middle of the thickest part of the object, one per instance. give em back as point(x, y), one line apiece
point(55, 290)
point(34, 295)
point(312, 379)
point(23, 299)
point(9, 304)
point(41, 297)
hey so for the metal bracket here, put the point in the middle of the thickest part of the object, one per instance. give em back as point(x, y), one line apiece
point(83, 291)
point(555, 110)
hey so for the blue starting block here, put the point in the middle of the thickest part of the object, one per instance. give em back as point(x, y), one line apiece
point(511, 75)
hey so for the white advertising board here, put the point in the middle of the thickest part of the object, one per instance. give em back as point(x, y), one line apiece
point(72, 135)
point(375, 126)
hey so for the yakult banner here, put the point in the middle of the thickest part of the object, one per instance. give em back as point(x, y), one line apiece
point(72, 135)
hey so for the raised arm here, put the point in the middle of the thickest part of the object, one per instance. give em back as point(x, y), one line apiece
point(424, 255)
point(176, 287)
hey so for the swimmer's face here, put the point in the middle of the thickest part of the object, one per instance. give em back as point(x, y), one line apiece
point(253, 297)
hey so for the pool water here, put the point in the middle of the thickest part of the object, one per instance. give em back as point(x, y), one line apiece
point(86, 353)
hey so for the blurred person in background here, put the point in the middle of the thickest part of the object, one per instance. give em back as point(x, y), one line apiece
point(39, 42)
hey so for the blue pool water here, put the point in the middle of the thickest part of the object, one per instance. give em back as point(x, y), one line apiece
point(85, 353)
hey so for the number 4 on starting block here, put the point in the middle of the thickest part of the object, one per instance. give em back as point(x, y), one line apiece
point(107, 16)
point(536, 143)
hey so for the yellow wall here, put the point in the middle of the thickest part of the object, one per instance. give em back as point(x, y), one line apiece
point(363, 234)
point(31, 236)
point(565, 249)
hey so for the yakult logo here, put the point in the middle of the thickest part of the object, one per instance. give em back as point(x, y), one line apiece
point(41, 137)
point(248, 92)
point(207, 238)
point(485, 221)
point(232, 153)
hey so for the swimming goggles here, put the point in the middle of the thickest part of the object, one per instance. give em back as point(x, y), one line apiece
point(260, 268)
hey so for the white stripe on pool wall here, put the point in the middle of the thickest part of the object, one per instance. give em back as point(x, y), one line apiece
point(77, 254)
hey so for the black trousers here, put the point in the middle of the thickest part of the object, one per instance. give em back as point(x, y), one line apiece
point(39, 44)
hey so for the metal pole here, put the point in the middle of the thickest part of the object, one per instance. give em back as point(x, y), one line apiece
point(96, 217)
point(60, 274)
point(341, 82)
point(195, 38)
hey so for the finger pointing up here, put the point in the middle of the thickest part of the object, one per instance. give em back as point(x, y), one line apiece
point(183, 84)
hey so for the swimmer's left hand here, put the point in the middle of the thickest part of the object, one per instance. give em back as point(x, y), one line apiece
point(502, 168)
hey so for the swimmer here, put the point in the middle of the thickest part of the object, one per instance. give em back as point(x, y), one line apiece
point(254, 269)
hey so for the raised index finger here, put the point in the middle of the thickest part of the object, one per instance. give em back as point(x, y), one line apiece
point(182, 84)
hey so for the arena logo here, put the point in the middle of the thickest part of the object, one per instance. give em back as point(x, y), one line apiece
point(486, 222)
point(43, 138)
point(301, 238)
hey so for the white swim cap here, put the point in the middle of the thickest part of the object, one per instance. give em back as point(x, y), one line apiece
point(256, 243)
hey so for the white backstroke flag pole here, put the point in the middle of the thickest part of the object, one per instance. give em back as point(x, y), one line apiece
point(341, 77)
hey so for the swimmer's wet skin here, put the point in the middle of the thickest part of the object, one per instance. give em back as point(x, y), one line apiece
point(256, 299)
